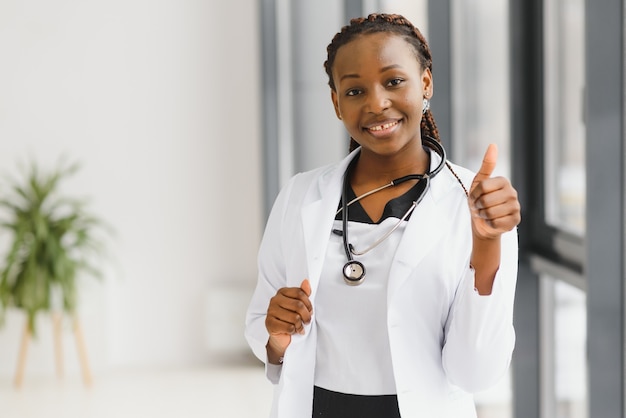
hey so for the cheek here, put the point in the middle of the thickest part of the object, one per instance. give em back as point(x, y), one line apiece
point(411, 99)
point(412, 102)
point(349, 113)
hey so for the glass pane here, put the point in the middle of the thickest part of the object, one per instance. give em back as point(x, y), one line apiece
point(564, 82)
point(565, 337)
point(571, 336)
point(481, 96)
point(480, 75)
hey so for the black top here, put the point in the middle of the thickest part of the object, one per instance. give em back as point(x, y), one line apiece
point(395, 208)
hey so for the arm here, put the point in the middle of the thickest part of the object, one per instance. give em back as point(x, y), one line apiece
point(495, 210)
point(271, 276)
point(479, 331)
point(275, 312)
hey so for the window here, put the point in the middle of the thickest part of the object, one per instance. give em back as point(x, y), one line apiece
point(481, 94)
point(564, 335)
point(564, 313)
point(564, 78)
point(481, 115)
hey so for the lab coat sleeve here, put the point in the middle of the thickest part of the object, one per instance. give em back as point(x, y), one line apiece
point(271, 277)
point(479, 334)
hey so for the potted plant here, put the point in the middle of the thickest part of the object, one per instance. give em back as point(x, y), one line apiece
point(54, 239)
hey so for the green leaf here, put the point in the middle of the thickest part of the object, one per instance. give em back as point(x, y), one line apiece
point(53, 241)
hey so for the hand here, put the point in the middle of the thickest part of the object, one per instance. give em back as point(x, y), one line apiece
point(493, 201)
point(289, 310)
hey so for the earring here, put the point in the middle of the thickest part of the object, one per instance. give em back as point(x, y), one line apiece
point(425, 105)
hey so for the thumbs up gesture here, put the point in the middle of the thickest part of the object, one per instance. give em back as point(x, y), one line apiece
point(492, 200)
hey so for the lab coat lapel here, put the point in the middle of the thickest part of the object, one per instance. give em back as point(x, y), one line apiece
point(319, 206)
point(427, 225)
point(318, 217)
point(317, 220)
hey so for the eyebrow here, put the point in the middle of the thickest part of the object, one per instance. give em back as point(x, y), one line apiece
point(382, 70)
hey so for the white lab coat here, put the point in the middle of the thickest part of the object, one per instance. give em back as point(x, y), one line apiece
point(446, 340)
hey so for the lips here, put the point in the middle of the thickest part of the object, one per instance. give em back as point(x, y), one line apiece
point(383, 128)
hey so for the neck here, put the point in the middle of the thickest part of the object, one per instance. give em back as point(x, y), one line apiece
point(375, 168)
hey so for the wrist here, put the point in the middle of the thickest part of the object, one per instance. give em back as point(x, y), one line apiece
point(485, 260)
point(275, 353)
point(485, 247)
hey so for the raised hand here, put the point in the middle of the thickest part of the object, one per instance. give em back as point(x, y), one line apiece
point(492, 200)
point(289, 310)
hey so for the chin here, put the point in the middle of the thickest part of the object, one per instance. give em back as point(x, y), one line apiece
point(385, 150)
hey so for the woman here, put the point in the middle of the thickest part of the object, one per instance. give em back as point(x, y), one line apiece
point(386, 281)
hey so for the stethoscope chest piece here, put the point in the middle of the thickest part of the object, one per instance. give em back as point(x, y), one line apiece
point(353, 273)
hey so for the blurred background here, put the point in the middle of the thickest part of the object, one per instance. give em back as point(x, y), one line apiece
point(188, 116)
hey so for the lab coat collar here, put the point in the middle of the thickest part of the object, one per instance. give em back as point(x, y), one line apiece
point(426, 225)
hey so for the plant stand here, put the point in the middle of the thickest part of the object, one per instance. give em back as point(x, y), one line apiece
point(57, 319)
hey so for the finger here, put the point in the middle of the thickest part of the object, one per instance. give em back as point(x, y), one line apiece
point(505, 223)
point(295, 294)
point(496, 226)
point(491, 185)
point(291, 305)
point(277, 326)
point(498, 211)
point(293, 309)
point(287, 318)
point(493, 191)
point(488, 165)
point(306, 286)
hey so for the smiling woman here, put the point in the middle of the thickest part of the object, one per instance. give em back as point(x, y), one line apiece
point(430, 321)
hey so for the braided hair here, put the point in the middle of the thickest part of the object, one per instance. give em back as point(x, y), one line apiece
point(393, 23)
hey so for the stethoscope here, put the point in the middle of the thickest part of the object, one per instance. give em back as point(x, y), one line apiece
point(354, 271)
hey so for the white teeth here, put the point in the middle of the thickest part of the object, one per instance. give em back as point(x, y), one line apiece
point(381, 127)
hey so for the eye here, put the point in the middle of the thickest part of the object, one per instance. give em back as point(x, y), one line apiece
point(353, 92)
point(395, 82)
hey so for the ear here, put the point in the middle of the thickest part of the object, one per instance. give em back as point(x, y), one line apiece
point(427, 83)
point(333, 97)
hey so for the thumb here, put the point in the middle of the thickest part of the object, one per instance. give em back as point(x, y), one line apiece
point(488, 165)
point(306, 286)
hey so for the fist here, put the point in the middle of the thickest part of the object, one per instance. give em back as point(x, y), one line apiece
point(492, 200)
point(289, 310)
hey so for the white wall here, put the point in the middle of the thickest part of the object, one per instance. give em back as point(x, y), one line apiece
point(159, 101)
point(414, 10)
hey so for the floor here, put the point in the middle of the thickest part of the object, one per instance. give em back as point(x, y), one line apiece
point(233, 391)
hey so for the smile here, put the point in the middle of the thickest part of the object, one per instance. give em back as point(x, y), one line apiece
point(383, 127)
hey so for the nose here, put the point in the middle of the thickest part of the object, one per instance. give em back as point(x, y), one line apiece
point(377, 101)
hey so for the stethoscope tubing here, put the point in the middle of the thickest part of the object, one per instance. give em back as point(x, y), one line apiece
point(349, 250)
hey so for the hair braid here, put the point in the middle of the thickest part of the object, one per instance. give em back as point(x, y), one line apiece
point(382, 22)
point(428, 125)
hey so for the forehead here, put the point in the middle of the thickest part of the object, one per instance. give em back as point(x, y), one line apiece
point(375, 50)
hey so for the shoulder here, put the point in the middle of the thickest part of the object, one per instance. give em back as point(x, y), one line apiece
point(464, 175)
point(303, 182)
point(445, 185)
point(316, 182)
point(305, 178)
